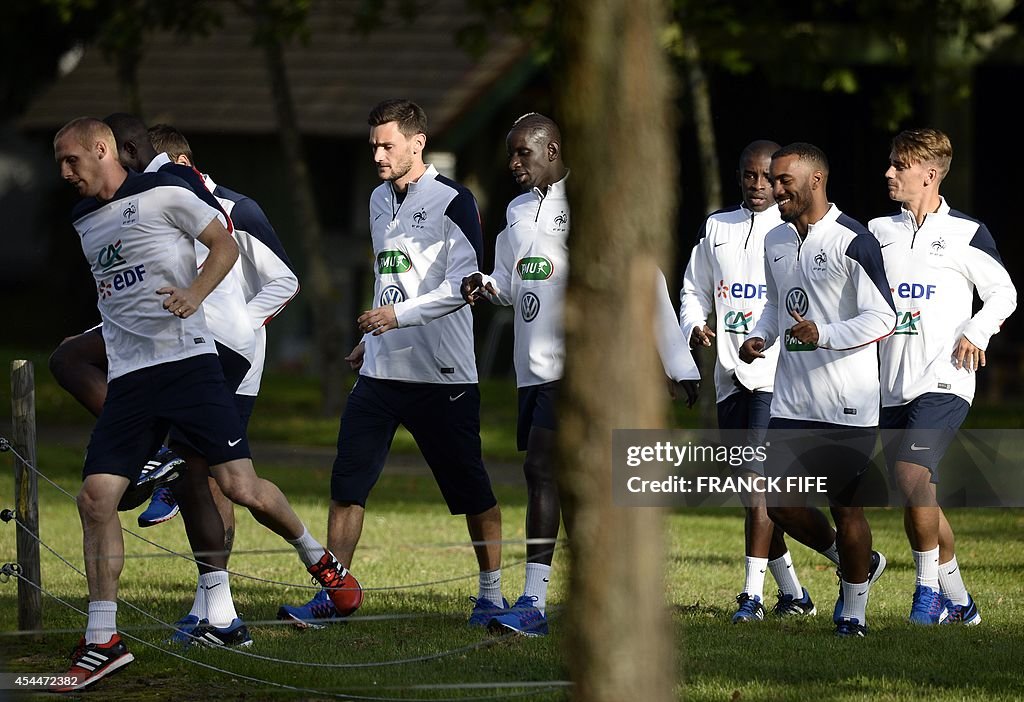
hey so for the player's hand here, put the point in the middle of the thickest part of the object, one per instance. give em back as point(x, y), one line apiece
point(180, 302)
point(751, 349)
point(355, 358)
point(378, 320)
point(473, 288)
point(967, 355)
point(701, 336)
point(804, 331)
point(678, 388)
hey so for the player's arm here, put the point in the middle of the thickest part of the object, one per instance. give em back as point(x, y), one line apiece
point(696, 297)
point(766, 331)
point(984, 268)
point(223, 252)
point(496, 287)
point(673, 347)
point(876, 313)
point(276, 282)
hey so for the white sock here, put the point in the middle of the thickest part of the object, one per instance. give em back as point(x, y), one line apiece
point(855, 601)
point(754, 584)
point(832, 553)
point(537, 579)
point(310, 550)
point(199, 603)
point(951, 582)
point(220, 608)
point(102, 622)
point(490, 586)
point(927, 563)
point(785, 575)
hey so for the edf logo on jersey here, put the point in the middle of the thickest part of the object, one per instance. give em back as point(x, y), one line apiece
point(121, 281)
point(741, 291)
point(914, 291)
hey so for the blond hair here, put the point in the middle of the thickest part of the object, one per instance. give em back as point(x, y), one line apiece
point(927, 146)
point(88, 131)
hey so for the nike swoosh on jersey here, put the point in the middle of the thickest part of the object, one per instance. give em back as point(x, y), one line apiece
point(778, 258)
point(888, 244)
point(722, 244)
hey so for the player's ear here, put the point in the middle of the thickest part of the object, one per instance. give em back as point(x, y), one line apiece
point(553, 148)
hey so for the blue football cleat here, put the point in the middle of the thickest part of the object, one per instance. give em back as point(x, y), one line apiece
point(184, 631)
point(850, 628)
point(234, 634)
point(523, 618)
point(789, 606)
point(315, 614)
point(162, 507)
point(928, 607)
point(966, 614)
point(750, 609)
point(484, 611)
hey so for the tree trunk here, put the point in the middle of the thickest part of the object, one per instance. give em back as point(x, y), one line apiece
point(615, 108)
point(317, 282)
point(711, 189)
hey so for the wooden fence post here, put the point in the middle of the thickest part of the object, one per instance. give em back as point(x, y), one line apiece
point(23, 414)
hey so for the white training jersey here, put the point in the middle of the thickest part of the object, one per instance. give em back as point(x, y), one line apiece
point(836, 279)
point(673, 347)
point(933, 272)
point(726, 273)
point(141, 240)
point(531, 272)
point(225, 305)
point(423, 246)
point(263, 271)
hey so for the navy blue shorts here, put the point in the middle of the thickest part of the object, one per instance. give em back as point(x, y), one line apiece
point(743, 419)
point(921, 431)
point(536, 409)
point(443, 419)
point(141, 406)
point(235, 367)
point(839, 453)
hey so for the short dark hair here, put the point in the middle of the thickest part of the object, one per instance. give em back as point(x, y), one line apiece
point(127, 127)
point(806, 152)
point(536, 124)
point(168, 139)
point(410, 117)
point(757, 148)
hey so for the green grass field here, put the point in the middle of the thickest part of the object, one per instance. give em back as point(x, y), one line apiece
point(409, 640)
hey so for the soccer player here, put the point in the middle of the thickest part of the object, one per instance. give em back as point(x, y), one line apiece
point(530, 274)
point(265, 284)
point(726, 272)
point(935, 258)
point(416, 361)
point(824, 272)
point(137, 232)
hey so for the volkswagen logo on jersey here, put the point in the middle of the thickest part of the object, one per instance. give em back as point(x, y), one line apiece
point(796, 301)
point(530, 306)
point(392, 262)
point(535, 268)
point(391, 294)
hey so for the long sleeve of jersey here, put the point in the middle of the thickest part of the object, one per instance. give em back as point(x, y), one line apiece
point(876, 316)
point(462, 248)
point(501, 278)
point(270, 281)
point(673, 345)
point(698, 287)
point(767, 326)
point(983, 267)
